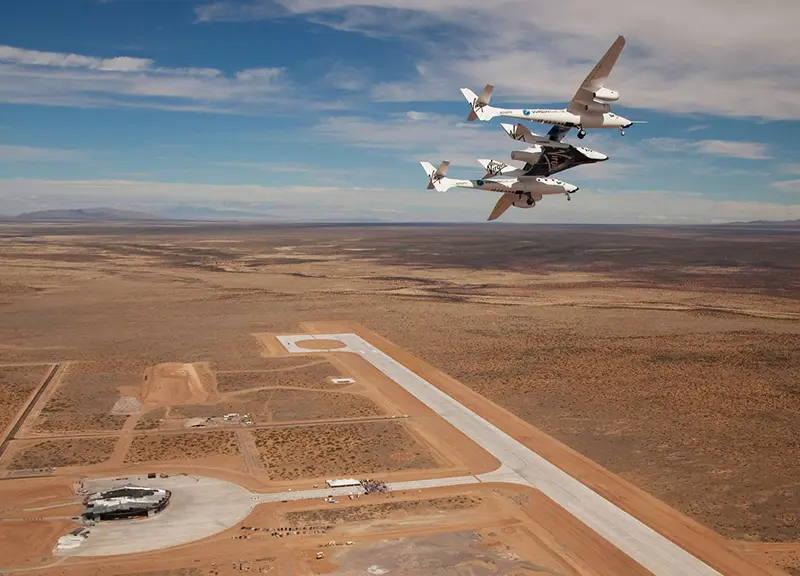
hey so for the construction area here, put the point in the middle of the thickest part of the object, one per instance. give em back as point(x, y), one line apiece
point(324, 489)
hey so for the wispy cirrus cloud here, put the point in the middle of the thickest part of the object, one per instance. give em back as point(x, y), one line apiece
point(539, 50)
point(730, 148)
point(30, 154)
point(14, 55)
point(734, 149)
point(271, 167)
point(791, 186)
point(418, 136)
point(62, 79)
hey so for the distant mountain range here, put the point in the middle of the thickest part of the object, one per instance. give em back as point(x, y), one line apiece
point(190, 212)
point(779, 223)
point(208, 214)
point(86, 214)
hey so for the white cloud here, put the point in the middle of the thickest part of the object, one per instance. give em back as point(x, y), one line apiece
point(731, 148)
point(61, 60)
point(338, 203)
point(29, 154)
point(258, 74)
point(272, 167)
point(419, 136)
point(751, 150)
point(343, 77)
point(791, 186)
point(51, 78)
point(734, 58)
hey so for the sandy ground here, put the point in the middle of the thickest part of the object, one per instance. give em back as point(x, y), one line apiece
point(785, 555)
point(623, 345)
point(27, 544)
point(18, 387)
point(691, 536)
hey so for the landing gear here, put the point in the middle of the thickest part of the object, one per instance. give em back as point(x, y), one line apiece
point(569, 197)
point(581, 133)
point(530, 201)
point(621, 132)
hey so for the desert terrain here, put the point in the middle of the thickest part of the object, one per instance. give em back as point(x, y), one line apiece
point(670, 357)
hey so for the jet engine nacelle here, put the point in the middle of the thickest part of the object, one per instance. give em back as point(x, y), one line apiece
point(530, 155)
point(606, 95)
point(524, 201)
point(595, 107)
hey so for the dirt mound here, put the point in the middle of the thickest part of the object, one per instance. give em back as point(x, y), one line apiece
point(176, 384)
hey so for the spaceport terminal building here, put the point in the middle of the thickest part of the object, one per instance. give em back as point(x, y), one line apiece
point(125, 502)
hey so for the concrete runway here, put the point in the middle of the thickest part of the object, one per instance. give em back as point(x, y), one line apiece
point(523, 466)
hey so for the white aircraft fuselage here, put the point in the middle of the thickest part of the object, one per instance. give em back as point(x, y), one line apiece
point(564, 117)
point(535, 186)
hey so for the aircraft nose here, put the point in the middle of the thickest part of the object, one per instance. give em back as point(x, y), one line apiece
point(572, 188)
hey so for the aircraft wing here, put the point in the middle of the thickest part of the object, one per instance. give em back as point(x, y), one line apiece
point(502, 205)
point(597, 77)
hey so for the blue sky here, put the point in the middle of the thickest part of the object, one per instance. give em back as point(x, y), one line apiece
point(322, 108)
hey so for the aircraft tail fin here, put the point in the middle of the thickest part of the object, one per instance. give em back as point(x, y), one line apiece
point(519, 132)
point(480, 109)
point(494, 168)
point(437, 177)
point(523, 134)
